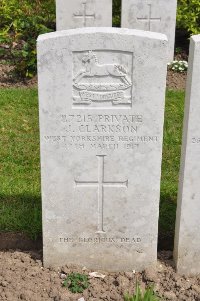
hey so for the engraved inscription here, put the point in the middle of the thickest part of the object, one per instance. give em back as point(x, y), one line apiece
point(97, 82)
point(100, 184)
point(149, 19)
point(98, 240)
point(102, 132)
point(84, 15)
point(196, 140)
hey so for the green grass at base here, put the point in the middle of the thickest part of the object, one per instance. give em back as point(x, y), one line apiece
point(174, 112)
point(20, 201)
point(20, 198)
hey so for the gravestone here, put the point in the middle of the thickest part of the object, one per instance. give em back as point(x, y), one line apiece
point(187, 242)
point(152, 15)
point(83, 13)
point(101, 126)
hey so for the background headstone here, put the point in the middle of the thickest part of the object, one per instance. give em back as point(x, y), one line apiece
point(83, 13)
point(101, 126)
point(187, 239)
point(152, 15)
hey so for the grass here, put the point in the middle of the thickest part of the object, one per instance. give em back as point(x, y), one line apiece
point(147, 295)
point(174, 112)
point(20, 199)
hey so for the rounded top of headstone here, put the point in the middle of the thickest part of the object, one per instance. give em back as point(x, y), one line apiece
point(195, 38)
point(103, 30)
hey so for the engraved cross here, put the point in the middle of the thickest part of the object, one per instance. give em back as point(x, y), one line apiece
point(149, 19)
point(84, 14)
point(100, 184)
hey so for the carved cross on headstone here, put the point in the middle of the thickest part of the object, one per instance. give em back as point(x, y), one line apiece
point(149, 19)
point(100, 184)
point(83, 15)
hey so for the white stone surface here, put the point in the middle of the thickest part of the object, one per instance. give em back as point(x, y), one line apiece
point(152, 15)
point(101, 125)
point(187, 240)
point(83, 13)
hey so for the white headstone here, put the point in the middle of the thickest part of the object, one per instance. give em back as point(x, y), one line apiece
point(83, 13)
point(101, 125)
point(152, 15)
point(187, 238)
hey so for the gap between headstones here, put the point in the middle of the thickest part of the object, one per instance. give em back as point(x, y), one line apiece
point(116, 13)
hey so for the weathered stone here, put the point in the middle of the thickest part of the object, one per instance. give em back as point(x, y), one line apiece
point(101, 126)
point(187, 242)
point(83, 13)
point(152, 15)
